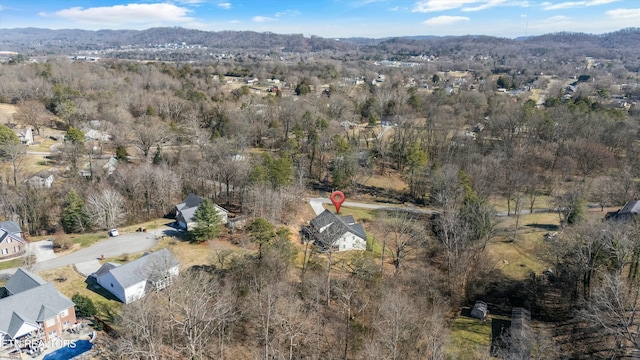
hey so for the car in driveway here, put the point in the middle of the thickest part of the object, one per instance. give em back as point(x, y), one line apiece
point(114, 232)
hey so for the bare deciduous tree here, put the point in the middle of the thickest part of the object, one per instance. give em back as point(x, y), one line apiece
point(106, 208)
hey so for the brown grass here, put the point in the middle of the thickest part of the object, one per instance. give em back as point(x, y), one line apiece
point(517, 259)
point(70, 282)
point(6, 113)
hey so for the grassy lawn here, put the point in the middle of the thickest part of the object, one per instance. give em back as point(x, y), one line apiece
point(69, 282)
point(469, 338)
point(85, 240)
point(13, 263)
point(516, 259)
point(359, 214)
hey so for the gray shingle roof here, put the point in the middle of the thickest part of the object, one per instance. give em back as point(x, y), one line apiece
point(23, 280)
point(328, 227)
point(191, 201)
point(105, 268)
point(187, 208)
point(31, 306)
point(631, 207)
point(148, 267)
point(11, 226)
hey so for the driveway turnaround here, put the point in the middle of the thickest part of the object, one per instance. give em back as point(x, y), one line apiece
point(110, 247)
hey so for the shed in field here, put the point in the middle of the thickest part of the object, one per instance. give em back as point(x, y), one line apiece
point(480, 310)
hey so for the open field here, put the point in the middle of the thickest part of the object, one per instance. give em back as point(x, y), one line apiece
point(6, 113)
point(470, 338)
point(518, 258)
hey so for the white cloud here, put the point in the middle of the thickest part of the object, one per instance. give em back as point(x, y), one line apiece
point(445, 20)
point(488, 4)
point(624, 14)
point(127, 14)
point(261, 19)
point(575, 4)
point(290, 13)
point(225, 5)
point(426, 6)
point(557, 18)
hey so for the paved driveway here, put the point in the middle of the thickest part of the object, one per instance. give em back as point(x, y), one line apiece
point(43, 250)
point(110, 247)
point(316, 204)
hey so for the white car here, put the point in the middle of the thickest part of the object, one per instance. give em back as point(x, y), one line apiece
point(114, 232)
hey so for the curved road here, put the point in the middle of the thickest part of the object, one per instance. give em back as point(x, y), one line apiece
point(110, 247)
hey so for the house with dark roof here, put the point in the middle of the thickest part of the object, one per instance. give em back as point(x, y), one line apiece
point(131, 281)
point(185, 211)
point(330, 231)
point(33, 308)
point(11, 242)
point(628, 211)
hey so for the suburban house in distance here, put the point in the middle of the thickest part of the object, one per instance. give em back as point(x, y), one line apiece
point(185, 211)
point(629, 209)
point(131, 281)
point(33, 309)
point(11, 242)
point(330, 231)
point(25, 135)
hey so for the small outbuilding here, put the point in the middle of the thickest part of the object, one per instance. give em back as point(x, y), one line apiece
point(480, 310)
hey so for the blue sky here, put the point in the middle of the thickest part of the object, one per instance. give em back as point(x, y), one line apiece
point(331, 18)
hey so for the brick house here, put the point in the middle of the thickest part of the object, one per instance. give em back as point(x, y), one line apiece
point(33, 309)
point(11, 242)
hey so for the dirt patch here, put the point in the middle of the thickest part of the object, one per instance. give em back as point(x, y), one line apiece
point(6, 113)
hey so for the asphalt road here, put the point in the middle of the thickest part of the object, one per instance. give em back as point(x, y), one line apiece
point(316, 204)
point(110, 247)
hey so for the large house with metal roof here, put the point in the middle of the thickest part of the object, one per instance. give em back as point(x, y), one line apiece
point(32, 308)
point(330, 231)
point(11, 242)
point(131, 281)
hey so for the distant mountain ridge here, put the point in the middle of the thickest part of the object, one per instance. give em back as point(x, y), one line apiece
point(34, 39)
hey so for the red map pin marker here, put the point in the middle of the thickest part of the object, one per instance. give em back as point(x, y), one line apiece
point(337, 198)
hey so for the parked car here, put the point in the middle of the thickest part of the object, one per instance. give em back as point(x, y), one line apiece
point(114, 232)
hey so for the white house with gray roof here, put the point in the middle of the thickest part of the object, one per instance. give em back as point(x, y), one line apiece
point(32, 307)
point(186, 210)
point(131, 281)
point(330, 231)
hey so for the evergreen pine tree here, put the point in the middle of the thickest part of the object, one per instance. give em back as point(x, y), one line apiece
point(207, 220)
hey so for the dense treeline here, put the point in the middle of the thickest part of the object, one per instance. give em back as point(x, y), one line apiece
point(180, 128)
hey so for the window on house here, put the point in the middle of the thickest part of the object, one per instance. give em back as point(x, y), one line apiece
point(9, 240)
point(5, 251)
point(64, 313)
point(66, 324)
point(50, 322)
point(53, 334)
point(16, 249)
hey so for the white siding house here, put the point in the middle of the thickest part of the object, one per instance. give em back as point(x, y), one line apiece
point(333, 232)
point(131, 281)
